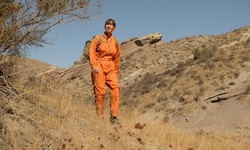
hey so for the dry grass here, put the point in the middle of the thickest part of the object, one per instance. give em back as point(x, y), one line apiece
point(66, 123)
point(62, 122)
point(163, 136)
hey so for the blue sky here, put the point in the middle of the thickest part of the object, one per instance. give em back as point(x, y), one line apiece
point(174, 19)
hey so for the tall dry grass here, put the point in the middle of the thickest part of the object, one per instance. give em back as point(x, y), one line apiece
point(49, 117)
point(160, 135)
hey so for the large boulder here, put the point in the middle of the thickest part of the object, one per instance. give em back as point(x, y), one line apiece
point(148, 39)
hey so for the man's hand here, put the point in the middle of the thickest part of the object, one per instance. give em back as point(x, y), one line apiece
point(95, 70)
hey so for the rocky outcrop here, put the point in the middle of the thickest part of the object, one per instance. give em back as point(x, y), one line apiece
point(129, 40)
point(148, 39)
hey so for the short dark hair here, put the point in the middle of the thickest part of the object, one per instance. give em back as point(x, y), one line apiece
point(110, 21)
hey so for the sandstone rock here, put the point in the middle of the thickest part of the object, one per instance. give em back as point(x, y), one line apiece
point(149, 39)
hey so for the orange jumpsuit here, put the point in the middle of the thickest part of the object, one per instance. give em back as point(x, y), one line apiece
point(107, 58)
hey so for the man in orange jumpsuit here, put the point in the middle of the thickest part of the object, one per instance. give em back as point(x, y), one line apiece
point(104, 60)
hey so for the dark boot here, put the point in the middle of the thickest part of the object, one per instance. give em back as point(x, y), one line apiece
point(114, 120)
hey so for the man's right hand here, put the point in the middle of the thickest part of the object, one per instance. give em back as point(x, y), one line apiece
point(95, 70)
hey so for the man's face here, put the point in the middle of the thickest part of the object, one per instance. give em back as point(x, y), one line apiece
point(109, 27)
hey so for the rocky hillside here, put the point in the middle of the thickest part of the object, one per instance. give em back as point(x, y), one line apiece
point(196, 83)
point(175, 77)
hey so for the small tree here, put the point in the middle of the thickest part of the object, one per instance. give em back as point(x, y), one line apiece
point(25, 23)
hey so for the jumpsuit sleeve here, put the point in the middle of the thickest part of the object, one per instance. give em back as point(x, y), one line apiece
point(92, 52)
point(117, 58)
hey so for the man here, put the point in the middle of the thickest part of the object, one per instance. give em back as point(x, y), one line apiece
point(104, 60)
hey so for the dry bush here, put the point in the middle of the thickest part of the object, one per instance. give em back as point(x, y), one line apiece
point(244, 56)
point(202, 55)
point(145, 85)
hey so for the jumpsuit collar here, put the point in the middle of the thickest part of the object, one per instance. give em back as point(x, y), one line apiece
point(104, 34)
